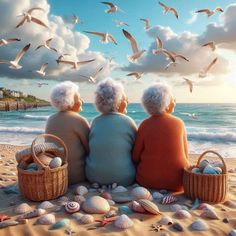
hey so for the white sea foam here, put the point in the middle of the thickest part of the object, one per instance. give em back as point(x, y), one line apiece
point(36, 117)
point(21, 130)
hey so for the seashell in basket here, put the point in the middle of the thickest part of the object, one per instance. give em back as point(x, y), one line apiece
point(169, 199)
point(123, 222)
point(22, 208)
point(209, 213)
point(81, 190)
point(55, 162)
point(72, 207)
point(87, 219)
point(7, 223)
point(199, 225)
point(203, 164)
point(80, 199)
point(218, 164)
point(96, 205)
point(23, 165)
point(46, 205)
point(209, 169)
point(47, 219)
point(196, 170)
point(141, 193)
point(32, 214)
point(32, 166)
point(45, 159)
point(218, 170)
point(166, 220)
point(182, 214)
point(149, 206)
point(136, 207)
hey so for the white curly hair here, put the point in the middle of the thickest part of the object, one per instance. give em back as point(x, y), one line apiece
point(157, 98)
point(108, 95)
point(63, 95)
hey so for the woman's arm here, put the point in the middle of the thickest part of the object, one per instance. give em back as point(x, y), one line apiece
point(185, 141)
point(138, 145)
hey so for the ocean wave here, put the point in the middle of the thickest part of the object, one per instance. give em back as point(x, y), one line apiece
point(212, 137)
point(21, 130)
point(36, 117)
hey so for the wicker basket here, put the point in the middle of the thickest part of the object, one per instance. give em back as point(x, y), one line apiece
point(206, 187)
point(46, 183)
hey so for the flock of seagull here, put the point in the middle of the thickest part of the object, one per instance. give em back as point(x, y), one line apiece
point(172, 57)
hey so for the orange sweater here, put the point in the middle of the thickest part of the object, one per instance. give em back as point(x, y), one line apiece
point(161, 152)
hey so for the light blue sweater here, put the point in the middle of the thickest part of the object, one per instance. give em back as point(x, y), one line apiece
point(111, 140)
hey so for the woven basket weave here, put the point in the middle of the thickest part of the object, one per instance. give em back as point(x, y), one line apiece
point(46, 183)
point(206, 187)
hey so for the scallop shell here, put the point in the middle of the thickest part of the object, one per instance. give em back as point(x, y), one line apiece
point(149, 206)
point(123, 222)
point(209, 213)
point(119, 189)
point(175, 207)
point(87, 219)
point(77, 215)
point(60, 224)
point(110, 213)
point(232, 232)
point(136, 206)
point(46, 205)
point(166, 220)
point(79, 198)
point(31, 214)
point(81, 190)
point(199, 225)
point(141, 193)
point(72, 207)
point(169, 199)
point(157, 195)
point(230, 204)
point(23, 208)
point(182, 214)
point(55, 162)
point(106, 195)
point(7, 223)
point(47, 219)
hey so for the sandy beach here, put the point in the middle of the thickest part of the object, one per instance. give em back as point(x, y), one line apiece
point(142, 222)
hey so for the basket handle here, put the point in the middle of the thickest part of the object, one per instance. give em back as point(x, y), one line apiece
point(37, 160)
point(217, 154)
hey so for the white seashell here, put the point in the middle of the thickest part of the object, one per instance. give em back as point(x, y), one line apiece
point(55, 162)
point(182, 214)
point(46, 205)
point(79, 198)
point(149, 206)
point(110, 213)
point(157, 195)
point(230, 204)
point(31, 214)
point(81, 190)
point(77, 215)
point(123, 222)
point(196, 170)
point(232, 232)
point(141, 193)
point(111, 202)
point(175, 207)
point(119, 189)
point(96, 205)
point(136, 206)
point(48, 219)
point(209, 213)
point(22, 208)
point(199, 225)
point(166, 220)
point(72, 207)
point(87, 219)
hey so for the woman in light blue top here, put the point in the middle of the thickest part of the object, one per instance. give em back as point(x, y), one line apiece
point(111, 138)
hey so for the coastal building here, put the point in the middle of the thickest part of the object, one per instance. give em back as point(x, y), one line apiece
point(15, 94)
point(1, 94)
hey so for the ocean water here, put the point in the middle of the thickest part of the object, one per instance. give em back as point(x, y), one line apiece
point(213, 127)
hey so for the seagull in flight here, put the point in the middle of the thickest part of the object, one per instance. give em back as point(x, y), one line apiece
point(136, 52)
point(203, 72)
point(210, 12)
point(27, 17)
point(15, 63)
point(167, 9)
point(7, 41)
point(190, 84)
point(47, 45)
point(120, 23)
point(211, 45)
point(105, 37)
point(62, 57)
point(159, 49)
point(92, 78)
point(136, 75)
point(75, 64)
point(112, 7)
point(76, 20)
point(41, 71)
point(147, 23)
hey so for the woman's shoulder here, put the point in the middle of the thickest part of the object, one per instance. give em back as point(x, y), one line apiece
point(176, 120)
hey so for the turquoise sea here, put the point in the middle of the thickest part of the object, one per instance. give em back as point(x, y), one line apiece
point(212, 127)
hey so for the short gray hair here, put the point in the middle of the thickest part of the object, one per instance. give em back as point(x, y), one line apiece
point(108, 95)
point(157, 98)
point(63, 95)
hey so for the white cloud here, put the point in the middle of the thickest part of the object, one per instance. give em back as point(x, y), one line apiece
point(193, 18)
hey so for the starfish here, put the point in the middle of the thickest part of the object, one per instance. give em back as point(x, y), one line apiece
point(4, 217)
point(156, 228)
point(106, 221)
point(69, 231)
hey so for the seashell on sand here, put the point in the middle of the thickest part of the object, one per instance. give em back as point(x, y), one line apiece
point(64, 199)
point(110, 213)
point(59, 224)
point(178, 227)
point(96, 205)
point(203, 206)
point(8, 223)
point(230, 204)
point(125, 210)
point(165, 220)
point(226, 220)
point(111, 202)
point(77, 215)
point(175, 207)
point(46, 205)
point(122, 198)
point(199, 225)
point(182, 214)
point(22, 208)
point(232, 232)
point(157, 195)
point(79, 198)
point(32, 214)
point(106, 195)
point(47, 219)
point(81, 190)
point(169, 199)
point(119, 189)
point(123, 222)
point(55, 162)
point(149, 206)
point(209, 213)
point(141, 193)
point(95, 185)
point(136, 207)
point(87, 219)
point(72, 207)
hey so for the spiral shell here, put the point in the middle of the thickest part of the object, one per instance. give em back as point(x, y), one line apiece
point(141, 193)
point(87, 219)
point(123, 222)
point(81, 190)
point(72, 207)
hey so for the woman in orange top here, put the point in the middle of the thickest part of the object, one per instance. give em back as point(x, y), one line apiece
point(160, 149)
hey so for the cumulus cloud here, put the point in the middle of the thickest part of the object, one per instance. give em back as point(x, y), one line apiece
point(65, 40)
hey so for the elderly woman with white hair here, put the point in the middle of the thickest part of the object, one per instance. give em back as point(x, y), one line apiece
point(160, 149)
point(111, 138)
point(72, 128)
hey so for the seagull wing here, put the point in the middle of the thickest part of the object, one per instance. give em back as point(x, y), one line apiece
point(190, 84)
point(84, 62)
point(96, 33)
point(20, 54)
point(159, 42)
point(21, 22)
point(96, 73)
point(37, 21)
point(207, 11)
point(84, 76)
point(132, 74)
point(43, 67)
point(147, 23)
point(211, 44)
point(67, 62)
point(211, 64)
point(182, 57)
point(164, 6)
point(34, 8)
point(168, 54)
point(132, 41)
point(39, 47)
point(175, 12)
point(110, 4)
point(48, 41)
point(13, 39)
point(112, 39)
point(219, 9)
